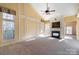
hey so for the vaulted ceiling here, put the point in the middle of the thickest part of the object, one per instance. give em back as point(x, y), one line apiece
point(62, 9)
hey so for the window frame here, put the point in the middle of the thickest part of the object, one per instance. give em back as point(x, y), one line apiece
point(9, 20)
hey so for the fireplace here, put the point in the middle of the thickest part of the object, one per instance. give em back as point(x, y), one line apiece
point(56, 34)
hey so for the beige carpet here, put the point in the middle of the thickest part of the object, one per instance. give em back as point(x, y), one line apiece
point(42, 46)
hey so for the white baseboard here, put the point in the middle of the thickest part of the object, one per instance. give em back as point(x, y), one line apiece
point(29, 38)
point(20, 40)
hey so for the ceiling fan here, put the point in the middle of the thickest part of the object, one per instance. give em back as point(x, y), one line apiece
point(48, 11)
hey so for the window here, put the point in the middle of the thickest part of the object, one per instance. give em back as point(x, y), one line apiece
point(8, 26)
point(69, 30)
point(7, 16)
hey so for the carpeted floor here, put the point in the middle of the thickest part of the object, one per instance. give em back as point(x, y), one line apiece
point(42, 46)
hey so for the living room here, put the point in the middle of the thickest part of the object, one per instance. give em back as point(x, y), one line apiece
point(25, 25)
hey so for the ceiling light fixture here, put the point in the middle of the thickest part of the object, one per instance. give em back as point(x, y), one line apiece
point(48, 11)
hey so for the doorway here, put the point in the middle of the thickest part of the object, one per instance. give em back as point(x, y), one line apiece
point(70, 30)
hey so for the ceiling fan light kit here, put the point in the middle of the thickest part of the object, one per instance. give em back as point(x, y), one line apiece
point(48, 11)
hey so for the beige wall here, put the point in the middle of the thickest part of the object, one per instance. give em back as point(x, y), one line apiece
point(47, 29)
point(73, 24)
point(77, 28)
point(33, 24)
point(72, 20)
point(30, 12)
point(69, 19)
point(21, 20)
point(14, 7)
point(27, 22)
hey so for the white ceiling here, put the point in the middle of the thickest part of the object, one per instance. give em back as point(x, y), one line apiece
point(62, 9)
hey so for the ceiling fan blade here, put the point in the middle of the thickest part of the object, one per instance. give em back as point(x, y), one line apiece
point(47, 11)
point(52, 10)
point(47, 7)
point(42, 11)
